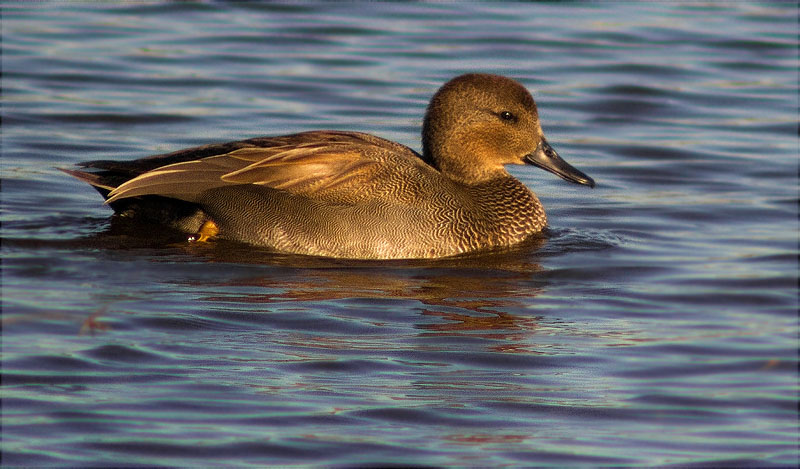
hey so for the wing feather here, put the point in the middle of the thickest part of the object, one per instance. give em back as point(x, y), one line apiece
point(340, 167)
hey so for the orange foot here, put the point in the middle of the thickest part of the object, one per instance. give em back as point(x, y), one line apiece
point(207, 231)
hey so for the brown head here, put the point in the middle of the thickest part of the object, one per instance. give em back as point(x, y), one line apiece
point(478, 123)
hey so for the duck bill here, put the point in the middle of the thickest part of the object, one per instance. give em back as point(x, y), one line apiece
point(546, 158)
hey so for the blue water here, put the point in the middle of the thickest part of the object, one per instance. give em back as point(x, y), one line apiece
point(655, 325)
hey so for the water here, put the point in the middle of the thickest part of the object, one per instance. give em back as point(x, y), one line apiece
point(656, 324)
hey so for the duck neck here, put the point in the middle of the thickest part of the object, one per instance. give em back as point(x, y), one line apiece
point(467, 174)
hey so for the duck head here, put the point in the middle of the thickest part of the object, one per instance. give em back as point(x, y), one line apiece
point(478, 123)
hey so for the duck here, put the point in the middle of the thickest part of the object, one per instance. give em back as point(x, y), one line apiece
point(354, 195)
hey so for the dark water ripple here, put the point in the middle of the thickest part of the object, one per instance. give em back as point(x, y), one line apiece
point(655, 322)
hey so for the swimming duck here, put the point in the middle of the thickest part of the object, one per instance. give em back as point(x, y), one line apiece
point(354, 195)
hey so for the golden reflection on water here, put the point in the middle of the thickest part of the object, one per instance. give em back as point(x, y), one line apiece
point(472, 296)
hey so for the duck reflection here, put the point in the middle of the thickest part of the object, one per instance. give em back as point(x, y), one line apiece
point(477, 296)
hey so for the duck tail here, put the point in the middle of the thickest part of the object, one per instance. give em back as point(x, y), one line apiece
point(93, 179)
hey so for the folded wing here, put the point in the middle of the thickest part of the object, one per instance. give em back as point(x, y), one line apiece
point(340, 167)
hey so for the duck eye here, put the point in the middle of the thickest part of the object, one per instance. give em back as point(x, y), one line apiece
point(507, 116)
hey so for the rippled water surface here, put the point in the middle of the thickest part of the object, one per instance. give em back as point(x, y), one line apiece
point(655, 325)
